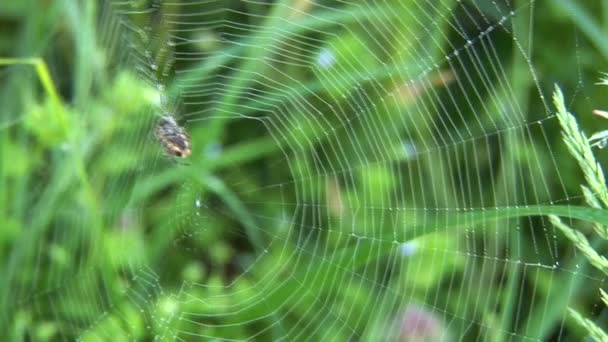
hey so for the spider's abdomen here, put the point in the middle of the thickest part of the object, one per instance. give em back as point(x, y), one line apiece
point(173, 138)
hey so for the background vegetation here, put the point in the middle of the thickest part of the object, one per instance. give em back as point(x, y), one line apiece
point(270, 231)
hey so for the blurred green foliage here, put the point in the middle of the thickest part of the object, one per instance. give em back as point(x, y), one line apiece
point(291, 219)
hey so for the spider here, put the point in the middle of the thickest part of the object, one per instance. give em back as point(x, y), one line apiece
point(172, 137)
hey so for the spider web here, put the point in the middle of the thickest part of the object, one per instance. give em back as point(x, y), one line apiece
point(337, 150)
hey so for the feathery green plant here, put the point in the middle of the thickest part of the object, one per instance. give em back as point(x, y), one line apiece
point(579, 146)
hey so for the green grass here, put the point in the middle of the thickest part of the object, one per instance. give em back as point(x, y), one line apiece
point(290, 218)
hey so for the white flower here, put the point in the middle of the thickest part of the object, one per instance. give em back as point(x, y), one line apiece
point(326, 58)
